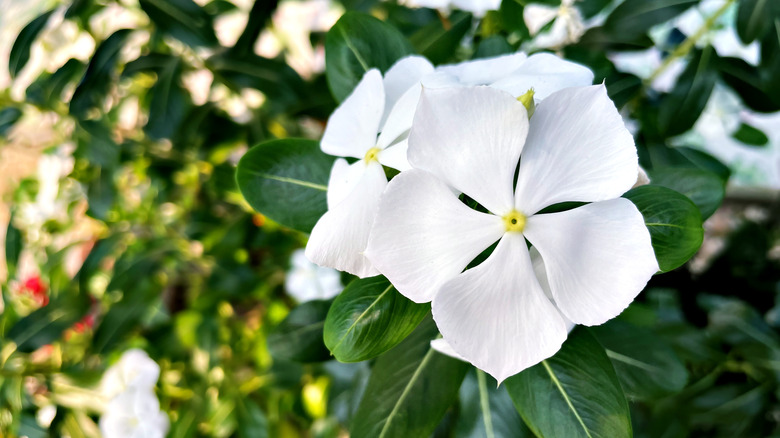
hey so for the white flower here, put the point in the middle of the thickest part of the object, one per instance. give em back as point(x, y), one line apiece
point(370, 125)
point(306, 281)
point(477, 7)
point(567, 28)
point(133, 370)
point(597, 257)
point(135, 413)
point(722, 36)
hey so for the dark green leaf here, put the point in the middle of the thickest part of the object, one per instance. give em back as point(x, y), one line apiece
point(703, 187)
point(183, 20)
point(151, 62)
point(13, 247)
point(753, 88)
point(286, 180)
point(601, 39)
point(356, 44)
point(368, 318)
point(96, 144)
point(252, 422)
point(674, 223)
point(493, 46)
point(682, 107)
point(97, 81)
point(503, 419)
point(622, 87)
point(258, 16)
point(8, 117)
point(47, 90)
point(20, 52)
point(438, 43)
point(410, 389)
point(101, 194)
point(575, 393)
point(755, 18)
point(750, 136)
point(46, 324)
point(299, 337)
point(633, 18)
point(647, 367)
point(274, 78)
point(170, 102)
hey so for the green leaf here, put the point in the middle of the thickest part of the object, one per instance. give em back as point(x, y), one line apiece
point(750, 136)
point(368, 318)
point(8, 117)
point(47, 89)
point(755, 89)
point(252, 422)
point(482, 398)
point(45, 325)
point(183, 20)
point(20, 52)
point(647, 367)
point(682, 107)
point(492, 46)
point(633, 18)
point(622, 87)
point(286, 180)
point(356, 44)
point(299, 337)
point(170, 102)
point(575, 393)
point(755, 18)
point(439, 44)
point(703, 187)
point(410, 389)
point(13, 247)
point(674, 223)
point(97, 80)
point(261, 12)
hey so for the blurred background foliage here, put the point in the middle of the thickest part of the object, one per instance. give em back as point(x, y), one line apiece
point(121, 123)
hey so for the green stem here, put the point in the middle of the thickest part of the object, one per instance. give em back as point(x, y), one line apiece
point(485, 404)
point(686, 46)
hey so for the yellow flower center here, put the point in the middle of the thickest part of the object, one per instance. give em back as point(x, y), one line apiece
point(372, 155)
point(514, 221)
point(527, 100)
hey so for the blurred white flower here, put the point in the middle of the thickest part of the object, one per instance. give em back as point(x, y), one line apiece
point(644, 63)
point(114, 16)
point(135, 413)
point(567, 28)
point(48, 204)
point(596, 257)
point(371, 124)
point(306, 281)
point(722, 36)
point(133, 370)
point(477, 7)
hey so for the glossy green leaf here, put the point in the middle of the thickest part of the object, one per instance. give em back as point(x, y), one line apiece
point(755, 18)
point(647, 367)
point(170, 102)
point(183, 20)
point(8, 117)
point(754, 88)
point(46, 324)
point(96, 83)
point(20, 51)
point(438, 43)
point(703, 187)
point(47, 89)
point(356, 44)
point(410, 389)
point(252, 422)
point(274, 78)
point(750, 136)
point(575, 393)
point(286, 180)
point(299, 337)
point(493, 46)
point(674, 223)
point(682, 107)
point(368, 318)
point(483, 405)
point(622, 87)
point(13, 247)
point(635, 17)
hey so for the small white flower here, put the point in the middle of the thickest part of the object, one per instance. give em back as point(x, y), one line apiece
point(133, 370)
point(477, 7)
point(722, 36)
point(567, 28)
point(596, 258)
point(135, 413)
point(371, 125)
point(306, 281)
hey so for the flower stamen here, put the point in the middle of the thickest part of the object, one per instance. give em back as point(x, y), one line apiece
point(372, 155)
point(514, 221)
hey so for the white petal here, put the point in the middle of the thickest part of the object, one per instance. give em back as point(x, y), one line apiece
point(343, 179)
point(541, 275)
point(399, 121)
point(536, 16)
point(446, 349)
point(598, 258)
point(395, 156)
point(496, 314)
point(352, 128)
point(484, 71)
point(471, 138)
point(477, 7)
point(578, 149)
point(423, 235)
point(405, 73)
point(556, 36)
point(546, 74)
point(339, 237)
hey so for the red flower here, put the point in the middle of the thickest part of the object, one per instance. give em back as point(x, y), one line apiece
point(35, 287)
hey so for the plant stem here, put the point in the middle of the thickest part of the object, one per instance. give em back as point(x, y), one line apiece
point(485, 404)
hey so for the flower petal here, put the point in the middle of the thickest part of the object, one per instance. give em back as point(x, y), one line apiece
point(395, 156)
point(471, 138)
point(477, 7)
point(578, 149)
point(497, 316)
point(484, 71)
point(400, 119)
point(598, 257)
point(541, 275)
point(339, 237)
point(343, 179)
point(536, 16)
point(445, 348)
point(353, 126)
point(423, 235)
point(405, 73)
point(546, 74)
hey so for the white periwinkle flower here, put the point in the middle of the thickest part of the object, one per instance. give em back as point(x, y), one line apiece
point(134, 369)
point(306, 281)
point(567, 28)
point(371, 125)
point(135, 413)
point(477, 7)
point(500, 315)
